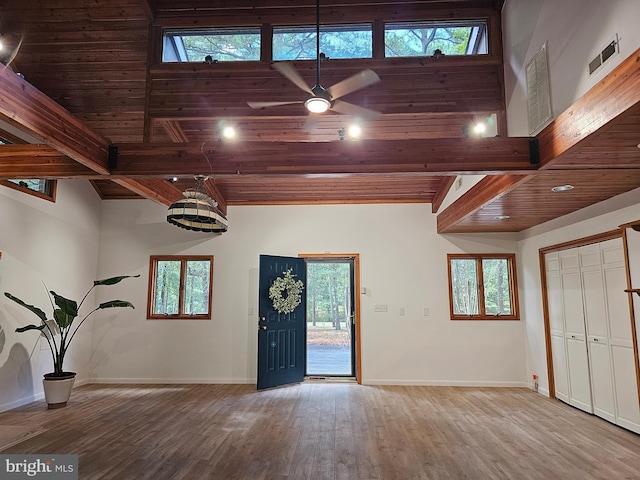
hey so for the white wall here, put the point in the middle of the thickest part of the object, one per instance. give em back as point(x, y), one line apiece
point(576, 31)
point(54, 243)
point(403, 264)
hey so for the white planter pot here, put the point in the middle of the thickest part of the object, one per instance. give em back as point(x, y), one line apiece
point(57, 390)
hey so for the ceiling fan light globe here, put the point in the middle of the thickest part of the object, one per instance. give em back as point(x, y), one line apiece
point(317, 105)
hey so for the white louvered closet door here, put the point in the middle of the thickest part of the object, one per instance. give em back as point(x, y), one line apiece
point(556, 324)
point(585, 288)
point(574, 331)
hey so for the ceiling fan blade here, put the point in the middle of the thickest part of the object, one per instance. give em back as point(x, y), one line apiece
point(14, 53)
point(258, 105)
point(353, 83)
point(312, 122)
point(287, 70)
point(354, 110)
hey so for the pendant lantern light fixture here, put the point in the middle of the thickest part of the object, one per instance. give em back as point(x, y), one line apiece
point(197, 211)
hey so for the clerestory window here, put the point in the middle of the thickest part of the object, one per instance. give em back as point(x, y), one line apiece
point(336, 41)
point(212, 45)
point(411, 39)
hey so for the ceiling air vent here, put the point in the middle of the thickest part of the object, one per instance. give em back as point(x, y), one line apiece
point(609, 51)
point(538, 92)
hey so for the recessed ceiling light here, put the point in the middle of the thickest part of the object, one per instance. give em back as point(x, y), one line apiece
point(229, 133)
point(355, 131)
point(501, 217)
point(479, 128)
point(562, 188)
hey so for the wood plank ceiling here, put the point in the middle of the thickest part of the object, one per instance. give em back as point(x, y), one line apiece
point(100, 60)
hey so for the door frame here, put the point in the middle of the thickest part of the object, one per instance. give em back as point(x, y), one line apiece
point(356, 296)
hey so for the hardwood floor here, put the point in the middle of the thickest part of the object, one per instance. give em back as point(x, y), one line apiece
point(326, 431)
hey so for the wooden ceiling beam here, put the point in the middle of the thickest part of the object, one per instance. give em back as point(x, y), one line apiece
point(445, 185)
point(38, 161)
point(485, 191)
point(574, 128)
point(214, 192)
point(30, 110)
point(158, 190)
point(174, 131)
point(435, 156)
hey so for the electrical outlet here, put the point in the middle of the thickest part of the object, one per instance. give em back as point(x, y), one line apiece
point(401, 311)
point(426, 312)
point(380, 308)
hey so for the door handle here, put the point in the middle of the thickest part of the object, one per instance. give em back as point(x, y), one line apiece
point(262, 327)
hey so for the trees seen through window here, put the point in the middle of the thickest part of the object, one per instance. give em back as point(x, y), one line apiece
point(180, 287)
point(337, 41)
point(482, 287)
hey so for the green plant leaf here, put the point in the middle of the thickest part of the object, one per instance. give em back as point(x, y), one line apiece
point(116, 303)
point(36, 310)
point(69, 307)
point(113, 280)
point(62, 319)
point(30, 327)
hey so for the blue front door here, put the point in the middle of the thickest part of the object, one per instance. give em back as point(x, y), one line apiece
point(281, 336)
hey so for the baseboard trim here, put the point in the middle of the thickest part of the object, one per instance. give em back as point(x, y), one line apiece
point(444, 383)
point(22, 401)
point(36, 397)
point(171, 381)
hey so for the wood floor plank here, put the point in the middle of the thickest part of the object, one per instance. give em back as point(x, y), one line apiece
point(325, 431)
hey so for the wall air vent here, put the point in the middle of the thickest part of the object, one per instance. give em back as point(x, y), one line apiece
point(594, 64)
point(538, 92)
point(609, 51)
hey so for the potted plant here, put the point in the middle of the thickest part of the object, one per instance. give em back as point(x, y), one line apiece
point(59, 332)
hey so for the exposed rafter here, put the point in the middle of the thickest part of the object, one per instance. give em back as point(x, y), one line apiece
point(429, 156)
point(484, 192)
point(438, 198)
point(39, 161)
point(31, 111)
point(160, 191)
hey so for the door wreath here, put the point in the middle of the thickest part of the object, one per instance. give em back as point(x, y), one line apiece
point(286, 284)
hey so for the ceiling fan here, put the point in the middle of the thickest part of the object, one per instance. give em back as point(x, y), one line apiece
point(321, 99)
